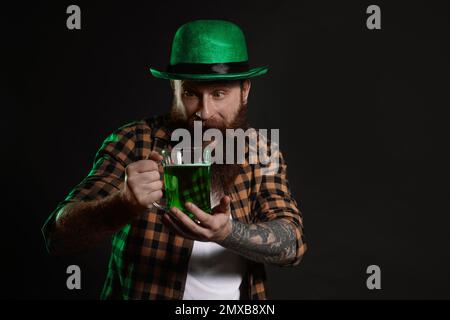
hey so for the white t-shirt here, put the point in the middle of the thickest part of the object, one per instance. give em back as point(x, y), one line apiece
point(214, 272)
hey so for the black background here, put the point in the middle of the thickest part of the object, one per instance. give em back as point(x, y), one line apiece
point(361, 115)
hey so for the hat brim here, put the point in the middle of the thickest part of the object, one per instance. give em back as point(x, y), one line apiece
point(215, 76)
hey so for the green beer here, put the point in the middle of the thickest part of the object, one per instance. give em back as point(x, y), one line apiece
point(188, 183)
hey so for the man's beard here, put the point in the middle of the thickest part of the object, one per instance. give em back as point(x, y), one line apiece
point(222, 175)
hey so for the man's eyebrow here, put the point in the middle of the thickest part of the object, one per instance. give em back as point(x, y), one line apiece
point(187, 86)
point(222, 84)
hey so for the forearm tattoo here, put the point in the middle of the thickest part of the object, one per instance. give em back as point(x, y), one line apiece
point(271, 242)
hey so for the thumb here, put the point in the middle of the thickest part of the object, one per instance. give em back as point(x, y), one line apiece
point(154, 155)
point(224, 205)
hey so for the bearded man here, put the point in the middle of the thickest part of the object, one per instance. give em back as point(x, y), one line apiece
point(159, 254)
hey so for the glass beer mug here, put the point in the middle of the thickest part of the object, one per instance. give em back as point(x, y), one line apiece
point(187, 178)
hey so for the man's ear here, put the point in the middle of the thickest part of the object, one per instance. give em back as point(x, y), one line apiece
point(172, 84)
point(246, 85)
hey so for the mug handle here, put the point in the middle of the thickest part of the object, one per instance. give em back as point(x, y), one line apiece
point(156, 204)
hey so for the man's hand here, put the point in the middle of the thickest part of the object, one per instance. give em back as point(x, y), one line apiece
point(210, 227)
point(142, 184)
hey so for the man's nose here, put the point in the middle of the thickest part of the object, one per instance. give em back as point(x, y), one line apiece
point(205, 109)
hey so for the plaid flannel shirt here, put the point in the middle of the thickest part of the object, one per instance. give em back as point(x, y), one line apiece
point(148, 261)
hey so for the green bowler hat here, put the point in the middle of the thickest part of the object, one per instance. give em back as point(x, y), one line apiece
point(209, 50)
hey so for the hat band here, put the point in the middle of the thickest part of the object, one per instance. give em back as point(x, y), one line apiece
point(209, 68)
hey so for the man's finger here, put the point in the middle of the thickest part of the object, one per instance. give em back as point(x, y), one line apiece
point(203, 217)
point(188, 223)
point(171, 224)
point(148, 177)
point(142, 166)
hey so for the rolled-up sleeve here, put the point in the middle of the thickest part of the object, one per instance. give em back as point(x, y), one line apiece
point(275, 201)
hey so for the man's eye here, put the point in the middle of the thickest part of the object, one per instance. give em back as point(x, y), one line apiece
point(187, 93)
point(219, 94)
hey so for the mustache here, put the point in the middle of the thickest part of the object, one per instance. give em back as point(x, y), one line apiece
point(211, 123)
point(239, 121)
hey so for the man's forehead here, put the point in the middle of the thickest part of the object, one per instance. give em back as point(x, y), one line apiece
point(208, 84)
